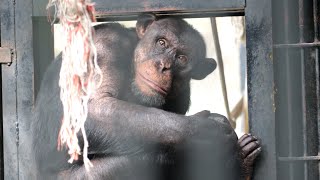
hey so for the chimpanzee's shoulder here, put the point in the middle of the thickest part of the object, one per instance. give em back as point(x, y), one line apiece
point(115, 30)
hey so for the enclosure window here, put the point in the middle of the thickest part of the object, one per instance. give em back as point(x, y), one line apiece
point(208, 94)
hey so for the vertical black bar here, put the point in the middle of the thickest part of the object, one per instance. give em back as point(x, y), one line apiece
point(310, 109)
point(316, 20)
point(1, 121)
point(260, 84)
point(289, 115)
point(315, 112)
point(301, 40)
point(304, 119)
point(311, 15)
point(318, 101)
point(286, 21)
point(288, 84)
point(1, 128)
point(301, 21)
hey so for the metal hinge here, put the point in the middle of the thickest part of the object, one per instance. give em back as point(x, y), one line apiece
point(6, 55)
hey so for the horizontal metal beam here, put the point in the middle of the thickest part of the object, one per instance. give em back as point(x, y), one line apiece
point(306, 158)
point(123, 6)
point(297, 45)
point(180, 14)
point(131, 8)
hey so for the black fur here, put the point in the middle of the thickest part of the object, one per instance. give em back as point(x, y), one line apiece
point(131, 141)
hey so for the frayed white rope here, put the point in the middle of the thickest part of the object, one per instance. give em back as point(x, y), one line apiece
point(80, 74)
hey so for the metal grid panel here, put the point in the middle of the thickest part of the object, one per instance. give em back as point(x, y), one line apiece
point(296, 38)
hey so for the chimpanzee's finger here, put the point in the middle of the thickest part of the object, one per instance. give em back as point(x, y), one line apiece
point(252, 146)
point(246, 140)
point(252, 156)
point(243, 137)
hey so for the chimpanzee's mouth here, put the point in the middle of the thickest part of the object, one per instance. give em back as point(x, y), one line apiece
point(153, 85)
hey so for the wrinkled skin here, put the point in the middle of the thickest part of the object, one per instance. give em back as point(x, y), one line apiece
point(136, 125)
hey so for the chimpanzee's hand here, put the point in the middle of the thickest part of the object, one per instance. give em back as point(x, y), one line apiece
point(215, 123)
point(249, 149)
point(214, 147)
point(204, 114)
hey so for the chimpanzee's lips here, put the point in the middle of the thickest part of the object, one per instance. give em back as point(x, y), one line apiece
point(153, 85)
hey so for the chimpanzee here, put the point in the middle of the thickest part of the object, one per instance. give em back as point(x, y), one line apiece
point(136, 125)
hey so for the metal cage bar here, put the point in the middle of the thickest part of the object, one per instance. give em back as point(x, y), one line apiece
point(316, 20)
point(303, 100)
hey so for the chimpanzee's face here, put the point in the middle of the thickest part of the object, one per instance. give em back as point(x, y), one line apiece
point(164, 58)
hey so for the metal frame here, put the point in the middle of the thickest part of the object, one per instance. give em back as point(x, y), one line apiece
point(260, 74)
point(124, 6)
point(18, 80)
point(17, 87)
point(188, 8)
point(8, 91)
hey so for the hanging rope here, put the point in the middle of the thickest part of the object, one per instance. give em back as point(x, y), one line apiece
point(80, 74)
point(221, 70)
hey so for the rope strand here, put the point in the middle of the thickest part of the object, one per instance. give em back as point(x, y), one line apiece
point(80, 74)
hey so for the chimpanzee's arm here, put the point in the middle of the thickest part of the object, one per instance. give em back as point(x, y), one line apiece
point(129, 128)
point(211, 153)
point(114, 168)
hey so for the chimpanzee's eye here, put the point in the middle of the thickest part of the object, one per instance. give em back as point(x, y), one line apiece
point(182, 59)
point(162, 42)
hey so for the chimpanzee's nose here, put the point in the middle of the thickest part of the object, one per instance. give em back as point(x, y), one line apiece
point(164, 65)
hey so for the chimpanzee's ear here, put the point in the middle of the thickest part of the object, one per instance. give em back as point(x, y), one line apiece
point(203, 68)
point(143, 22)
